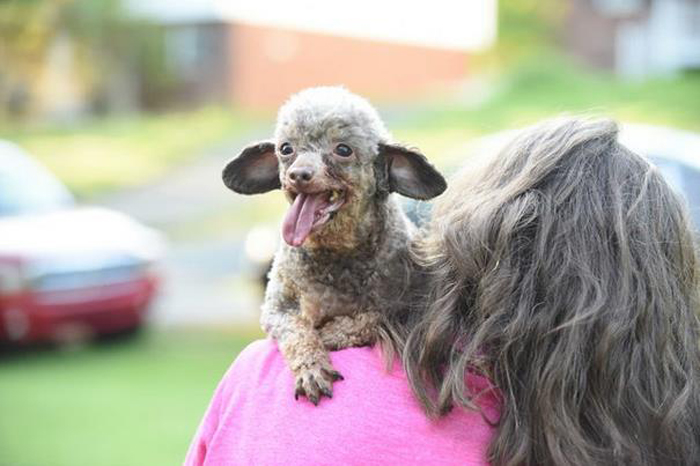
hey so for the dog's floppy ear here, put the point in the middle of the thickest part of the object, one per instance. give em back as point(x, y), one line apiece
point(254, 171)
point(410, 173)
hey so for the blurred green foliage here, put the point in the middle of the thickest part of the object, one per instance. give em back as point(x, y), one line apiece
point(525, 28)
point(125, 402)
point(26, 30)
point(527, 24)
point(107, 43)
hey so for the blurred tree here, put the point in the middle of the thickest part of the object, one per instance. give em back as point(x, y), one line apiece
point(528, 24)
point(116, 61)
point(130, 69)
point(26, 30)
point(526, 28)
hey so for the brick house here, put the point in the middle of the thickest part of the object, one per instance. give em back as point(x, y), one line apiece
point(255, 55)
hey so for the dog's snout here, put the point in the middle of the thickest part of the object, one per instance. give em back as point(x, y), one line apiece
point(300, 175)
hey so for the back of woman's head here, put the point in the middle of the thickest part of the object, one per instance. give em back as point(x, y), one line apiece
point(565, 271)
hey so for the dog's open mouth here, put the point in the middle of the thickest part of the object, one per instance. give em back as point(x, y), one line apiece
point(308, 212)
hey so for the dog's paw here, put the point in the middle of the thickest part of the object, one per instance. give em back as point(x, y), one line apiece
point(316, 381)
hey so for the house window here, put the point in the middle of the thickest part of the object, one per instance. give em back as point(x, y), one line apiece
point(182, 50)
point(618, 7)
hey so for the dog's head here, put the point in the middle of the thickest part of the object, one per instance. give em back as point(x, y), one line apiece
point(332, 157)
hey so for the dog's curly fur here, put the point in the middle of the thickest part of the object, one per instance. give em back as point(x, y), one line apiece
point(334, 290)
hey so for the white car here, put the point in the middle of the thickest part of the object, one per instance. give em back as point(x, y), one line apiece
point(67, 270)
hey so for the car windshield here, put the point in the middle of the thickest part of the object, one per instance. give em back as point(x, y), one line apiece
point(26, 187)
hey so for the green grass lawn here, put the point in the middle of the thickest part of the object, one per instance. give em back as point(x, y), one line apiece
point(543, 88)
point(99, 155)
point(134, 401)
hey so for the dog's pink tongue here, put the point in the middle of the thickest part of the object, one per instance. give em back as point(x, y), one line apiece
point(300, 218)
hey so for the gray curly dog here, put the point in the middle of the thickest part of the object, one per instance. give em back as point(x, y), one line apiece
point(345, 262)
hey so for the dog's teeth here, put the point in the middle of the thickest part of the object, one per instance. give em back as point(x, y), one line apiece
point(334, 196)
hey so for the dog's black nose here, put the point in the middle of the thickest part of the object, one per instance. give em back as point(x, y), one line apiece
point(300, 175)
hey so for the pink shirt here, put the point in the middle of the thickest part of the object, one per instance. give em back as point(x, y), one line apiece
point(372, 419)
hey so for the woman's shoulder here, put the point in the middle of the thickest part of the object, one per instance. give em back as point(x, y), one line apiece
point(255, 403)
point(260, 375)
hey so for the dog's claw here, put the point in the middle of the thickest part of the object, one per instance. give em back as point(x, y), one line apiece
point(316, 381)
point(299, 389)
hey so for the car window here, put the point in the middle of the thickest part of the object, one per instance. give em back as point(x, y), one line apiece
point(28, 189)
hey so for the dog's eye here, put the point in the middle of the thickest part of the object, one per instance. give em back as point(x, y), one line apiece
point(343, 150)
point(286, 149)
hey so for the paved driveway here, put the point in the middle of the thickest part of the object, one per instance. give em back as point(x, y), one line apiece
point(206, 281)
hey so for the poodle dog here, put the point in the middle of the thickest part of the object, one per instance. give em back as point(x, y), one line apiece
point(344, 263)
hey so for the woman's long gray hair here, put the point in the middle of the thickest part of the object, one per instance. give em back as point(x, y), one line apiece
point(566, 273)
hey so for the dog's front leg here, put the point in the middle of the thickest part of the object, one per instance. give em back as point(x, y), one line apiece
point(302, 348)
point(360, 329)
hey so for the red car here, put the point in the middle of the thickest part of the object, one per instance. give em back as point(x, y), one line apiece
point(67, 272)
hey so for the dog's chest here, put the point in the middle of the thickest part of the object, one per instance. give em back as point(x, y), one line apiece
point(339, 285)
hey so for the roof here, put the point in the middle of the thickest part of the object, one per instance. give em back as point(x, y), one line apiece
point(439, 23)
